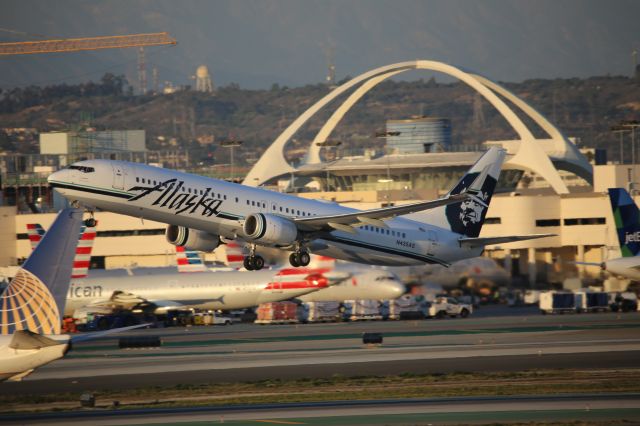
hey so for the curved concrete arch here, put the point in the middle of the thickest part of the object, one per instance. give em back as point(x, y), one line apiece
point(538, 161)
point(530, 155)
point(313, 156)
point(574, 161)
point(273, 157)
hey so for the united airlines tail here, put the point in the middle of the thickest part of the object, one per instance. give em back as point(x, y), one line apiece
point(627, 218)
point(466, 217)
point(35, 298)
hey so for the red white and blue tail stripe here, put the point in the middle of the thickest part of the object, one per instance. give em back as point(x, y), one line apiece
point(189, 260)
point(82, 259)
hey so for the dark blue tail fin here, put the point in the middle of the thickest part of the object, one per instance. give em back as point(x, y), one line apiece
point(627, 219)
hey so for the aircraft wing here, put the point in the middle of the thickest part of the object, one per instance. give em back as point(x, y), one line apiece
point(485, 241)
point(99, 334)
point(375, 217)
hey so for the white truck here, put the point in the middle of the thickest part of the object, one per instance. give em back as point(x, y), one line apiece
point(444, 306)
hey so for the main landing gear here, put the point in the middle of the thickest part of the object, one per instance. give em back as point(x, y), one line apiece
point(91, 222)
point(299, 258)
point(253, 262)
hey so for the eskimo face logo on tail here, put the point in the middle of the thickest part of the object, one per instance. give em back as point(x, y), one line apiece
point(173, 197)
point(467, 216)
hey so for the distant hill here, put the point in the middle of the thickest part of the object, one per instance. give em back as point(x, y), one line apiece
point(582, 108)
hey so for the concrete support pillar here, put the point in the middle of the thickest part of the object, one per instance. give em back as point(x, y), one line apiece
point(580, 259)
point(508, 261)
point(548, 264)
point(531, 266)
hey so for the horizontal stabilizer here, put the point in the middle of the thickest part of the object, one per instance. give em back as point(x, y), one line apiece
point(28, 340)
point(356, 217)
point(486, 241)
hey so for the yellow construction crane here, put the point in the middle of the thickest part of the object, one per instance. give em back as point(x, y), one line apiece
point(87, 43)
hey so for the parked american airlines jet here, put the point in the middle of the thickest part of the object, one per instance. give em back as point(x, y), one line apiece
point(202, 212)
point(191, 286)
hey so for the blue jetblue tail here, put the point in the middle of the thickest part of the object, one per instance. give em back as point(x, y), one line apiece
point(627, 218)
point(35, 298)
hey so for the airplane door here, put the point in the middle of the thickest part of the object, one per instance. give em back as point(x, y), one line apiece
point(118, 176)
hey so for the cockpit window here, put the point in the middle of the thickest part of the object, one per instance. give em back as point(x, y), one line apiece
point(83, 169)
point(385, 278)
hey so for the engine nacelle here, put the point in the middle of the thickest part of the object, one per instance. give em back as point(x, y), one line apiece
point(270, 229)
point(192, 239)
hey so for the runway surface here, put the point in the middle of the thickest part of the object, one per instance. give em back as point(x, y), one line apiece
point(501, 339)
point(592, 407)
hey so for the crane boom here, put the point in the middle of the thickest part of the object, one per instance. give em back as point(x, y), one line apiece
point(88, 43)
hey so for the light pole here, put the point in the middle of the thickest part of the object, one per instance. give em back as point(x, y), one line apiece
point(231, 144)
point(621, 131)
point(329, 144)
point(632, 124)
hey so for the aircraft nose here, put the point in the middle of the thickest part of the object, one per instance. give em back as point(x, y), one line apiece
point(58, 176)
point(396, 289)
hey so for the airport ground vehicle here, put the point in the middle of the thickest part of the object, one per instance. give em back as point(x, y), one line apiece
point(361, 309)
point(623, 302)
point(319, 312)
point(591, 301)
point(407, 307)
point(444, 306)
point(277, 313)
point(557, 302)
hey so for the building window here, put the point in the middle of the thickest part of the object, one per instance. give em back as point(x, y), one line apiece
point(492, 221)
point(585, 221)
point(548, 222)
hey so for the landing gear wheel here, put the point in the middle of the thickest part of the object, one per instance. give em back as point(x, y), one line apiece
point(258, 263)
point(304, 258)
point(90, 223)
point(294, 260)
point(248, 263)
point(253, 263)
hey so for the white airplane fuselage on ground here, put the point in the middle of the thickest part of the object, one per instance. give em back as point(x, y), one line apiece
point(203, 290)
point(219, 208)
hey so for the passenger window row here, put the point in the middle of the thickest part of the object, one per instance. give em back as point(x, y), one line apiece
point(384, 231)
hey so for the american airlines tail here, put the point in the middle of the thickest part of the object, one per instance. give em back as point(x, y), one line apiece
point(189, 260)
point(627, 218)
point(466, 217)
point(35, 298)
point(82, 259)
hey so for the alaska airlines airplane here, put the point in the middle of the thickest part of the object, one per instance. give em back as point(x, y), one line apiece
point(202, 213)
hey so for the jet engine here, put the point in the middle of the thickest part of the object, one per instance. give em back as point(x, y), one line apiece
point(192, 239)
point(270, 229)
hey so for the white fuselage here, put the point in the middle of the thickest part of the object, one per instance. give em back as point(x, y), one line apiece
point(374, 284)
point(219, 207)
point(203, 290)
point(628, 267)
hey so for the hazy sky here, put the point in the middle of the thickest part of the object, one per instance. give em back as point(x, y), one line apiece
point(257, 43)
